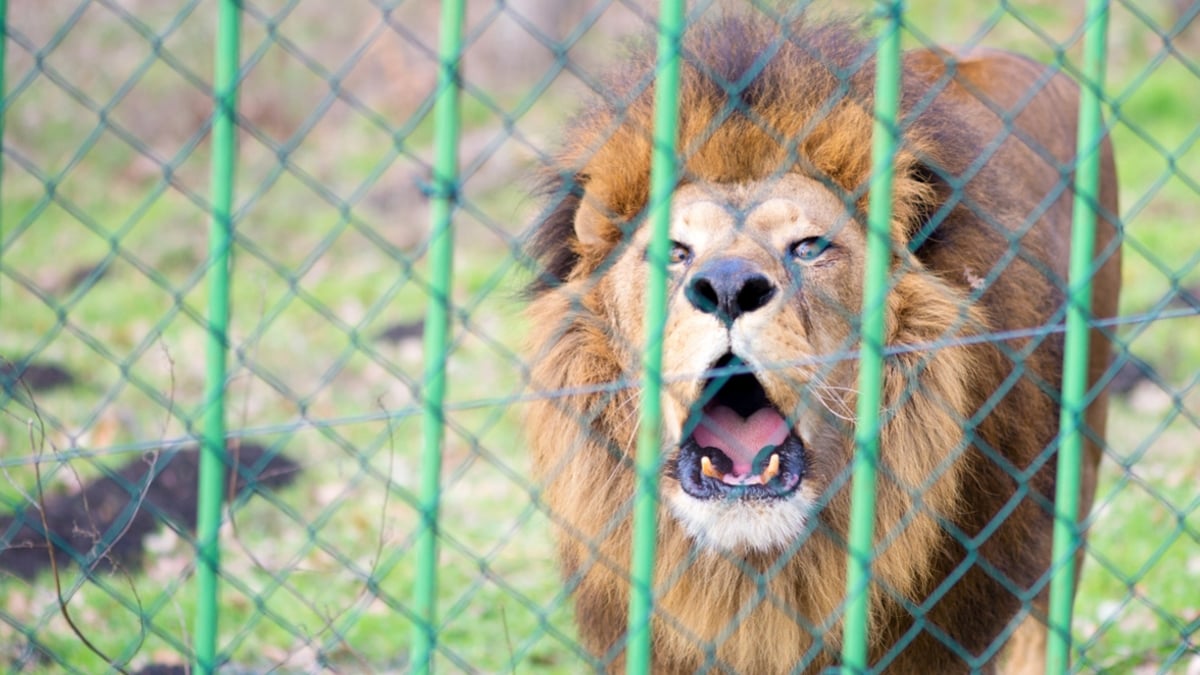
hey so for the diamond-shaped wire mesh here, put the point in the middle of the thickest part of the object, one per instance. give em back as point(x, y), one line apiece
point(103, 230)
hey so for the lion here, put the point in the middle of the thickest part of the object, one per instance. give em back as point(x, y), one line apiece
point(761, 337)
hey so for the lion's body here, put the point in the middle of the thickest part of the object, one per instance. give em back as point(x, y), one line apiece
point(756, 586)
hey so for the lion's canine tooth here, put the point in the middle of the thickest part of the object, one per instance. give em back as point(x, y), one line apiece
point(772, 469)
point(707, 468)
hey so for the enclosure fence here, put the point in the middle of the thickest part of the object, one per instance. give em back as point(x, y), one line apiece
point(416, 593)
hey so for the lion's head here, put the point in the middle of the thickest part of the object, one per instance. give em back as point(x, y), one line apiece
point(762, 331)
point(762, 275)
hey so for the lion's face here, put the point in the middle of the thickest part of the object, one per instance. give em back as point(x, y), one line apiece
point(765, 281)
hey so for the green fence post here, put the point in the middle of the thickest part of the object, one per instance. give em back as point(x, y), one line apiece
point(3, 110)
point(870, 366)
point(437, 326)
point(212, 457)
point(663, 173)
point(1075, 358)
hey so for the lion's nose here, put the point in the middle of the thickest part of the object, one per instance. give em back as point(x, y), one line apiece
point(729, 288)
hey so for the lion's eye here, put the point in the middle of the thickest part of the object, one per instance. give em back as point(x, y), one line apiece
point(679, 254)
point(810, 248)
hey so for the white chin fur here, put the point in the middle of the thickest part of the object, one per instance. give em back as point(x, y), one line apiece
point(737, 525)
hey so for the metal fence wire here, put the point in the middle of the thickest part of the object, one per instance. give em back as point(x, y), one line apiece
point(268, 389)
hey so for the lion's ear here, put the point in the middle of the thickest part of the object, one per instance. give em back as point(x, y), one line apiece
point(594, 227)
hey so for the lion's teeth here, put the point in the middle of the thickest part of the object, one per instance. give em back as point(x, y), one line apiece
point(707, 468)
point(772, 469)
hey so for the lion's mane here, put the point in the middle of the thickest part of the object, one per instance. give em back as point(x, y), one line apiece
point(981, 215)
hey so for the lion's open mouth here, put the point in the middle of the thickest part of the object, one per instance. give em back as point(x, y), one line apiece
point(737, 444)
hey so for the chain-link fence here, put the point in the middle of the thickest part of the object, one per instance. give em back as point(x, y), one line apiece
point(104, 233)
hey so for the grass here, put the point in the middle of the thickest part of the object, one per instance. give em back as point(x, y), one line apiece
point(104, 275)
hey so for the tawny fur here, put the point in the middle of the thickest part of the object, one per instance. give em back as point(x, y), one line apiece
point(959, 421)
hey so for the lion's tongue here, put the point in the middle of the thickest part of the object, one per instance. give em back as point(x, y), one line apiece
point(740, 438)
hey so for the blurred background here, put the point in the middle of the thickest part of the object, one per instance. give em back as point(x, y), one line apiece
point(103, 245)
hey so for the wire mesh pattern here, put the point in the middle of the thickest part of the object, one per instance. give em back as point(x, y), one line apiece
point(108, 138)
